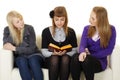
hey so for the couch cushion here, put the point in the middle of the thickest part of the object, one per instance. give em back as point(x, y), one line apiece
point(104, 75)
point(98, 76)
point(38, 41)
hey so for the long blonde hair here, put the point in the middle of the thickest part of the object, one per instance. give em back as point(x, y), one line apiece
point(60, 11)
point(17, 35)
point(103, 26)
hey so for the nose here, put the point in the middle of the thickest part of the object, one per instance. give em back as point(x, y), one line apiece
point(59, 22)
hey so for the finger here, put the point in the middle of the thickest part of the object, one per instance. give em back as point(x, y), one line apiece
point(80, 58)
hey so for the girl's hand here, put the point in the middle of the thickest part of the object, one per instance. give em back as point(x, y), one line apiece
point(63, 52)
point(60, 53)
point(82, 56)
point(57, 53)
point(9, 46)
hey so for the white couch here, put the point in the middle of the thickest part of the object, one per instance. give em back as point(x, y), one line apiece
point(7, 72)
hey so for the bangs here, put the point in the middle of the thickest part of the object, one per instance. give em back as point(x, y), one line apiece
point(60, 14)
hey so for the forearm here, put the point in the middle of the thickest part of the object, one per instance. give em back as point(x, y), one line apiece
point(46, 53)
point(9, 46)
point(71, 53)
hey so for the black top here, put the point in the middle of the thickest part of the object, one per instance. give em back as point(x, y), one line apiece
point(47, 38)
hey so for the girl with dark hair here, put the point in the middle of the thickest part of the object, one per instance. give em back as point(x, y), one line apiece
point(59, 34)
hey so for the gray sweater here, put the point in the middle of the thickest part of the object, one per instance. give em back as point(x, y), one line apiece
point(28, 46)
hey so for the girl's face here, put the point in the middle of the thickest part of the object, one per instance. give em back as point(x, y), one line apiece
point(18, 23)
point(59, 21)
point(93, 19)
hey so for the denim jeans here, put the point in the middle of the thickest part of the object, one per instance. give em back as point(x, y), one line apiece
point(30, 66)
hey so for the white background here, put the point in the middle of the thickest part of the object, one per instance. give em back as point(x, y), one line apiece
point(36, 13)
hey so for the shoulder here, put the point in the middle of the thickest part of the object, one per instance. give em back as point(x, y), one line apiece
point(28, 29)
point(86, 27)
point(6, 29)
point(27, 26)
point(45, 30)
point(71, 29)
point(112, 27)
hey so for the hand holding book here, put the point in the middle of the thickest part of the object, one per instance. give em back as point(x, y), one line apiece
point(60, 53)
point(53, 47)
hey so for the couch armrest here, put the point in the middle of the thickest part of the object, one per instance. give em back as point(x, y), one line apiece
point(6, 64)
point(115, 62)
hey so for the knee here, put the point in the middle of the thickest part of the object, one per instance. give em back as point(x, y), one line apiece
point(21, 61)
point(34, 60)
point(54, 60)
point(75, 58)
point(87, 61)
point(65, 59)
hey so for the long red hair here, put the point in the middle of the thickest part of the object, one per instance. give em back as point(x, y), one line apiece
point(103, 26)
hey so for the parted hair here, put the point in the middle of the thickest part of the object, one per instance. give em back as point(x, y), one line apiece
point(60, 11)
point(103, 26)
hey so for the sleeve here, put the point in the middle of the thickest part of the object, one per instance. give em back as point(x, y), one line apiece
point(71, 53)
point(107, 51)
point(28, 48)
point(83, 43)
point(45, 40)
point(45, 43)
point(46, 53)
point(73, 42)
point(6, 36)
point(73, 39)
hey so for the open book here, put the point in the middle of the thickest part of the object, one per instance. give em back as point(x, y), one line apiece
point(53, 47)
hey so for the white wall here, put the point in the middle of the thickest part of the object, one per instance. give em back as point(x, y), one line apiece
point(36, 13)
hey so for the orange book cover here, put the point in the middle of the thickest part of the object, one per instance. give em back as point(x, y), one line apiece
point(53, 47)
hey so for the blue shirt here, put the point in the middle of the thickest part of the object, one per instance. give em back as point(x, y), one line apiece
point(94, 46)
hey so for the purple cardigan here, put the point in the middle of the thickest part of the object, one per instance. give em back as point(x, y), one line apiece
point(94, 47)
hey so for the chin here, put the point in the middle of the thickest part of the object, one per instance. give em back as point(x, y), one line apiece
point(59, 27)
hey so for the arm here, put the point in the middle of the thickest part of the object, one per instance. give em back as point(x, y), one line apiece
point(83, 42)
point(71, 53)
point(46, 53)
point(107, 51)
point(7, 40)
point(73, 42)
point(45, 43)
point(6, 36)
